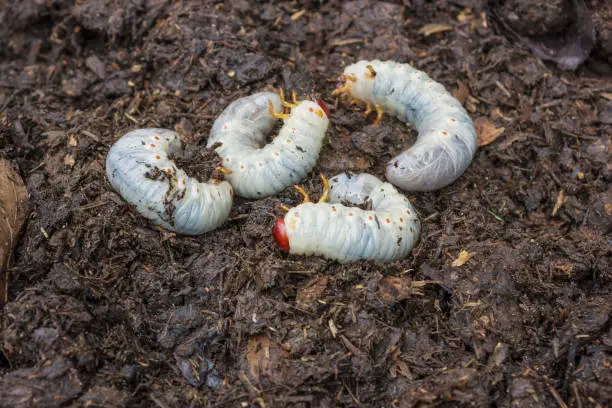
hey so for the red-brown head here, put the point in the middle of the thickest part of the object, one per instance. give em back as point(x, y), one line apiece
point(322, 105)
point(280, 234)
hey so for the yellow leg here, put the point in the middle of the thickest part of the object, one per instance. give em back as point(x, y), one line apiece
point(368, 110)
point(276, 115)
point(303, 193)
point(326, 189)
point(294, 97)
point(371, 74)
point(284, 102)
point(379, 115)
point(284, 208)
point(355, 102)
point(224, 170)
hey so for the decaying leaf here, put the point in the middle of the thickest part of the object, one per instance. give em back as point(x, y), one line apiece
point(308, 296)
point(262, 355)
point(393, 289)
point(13, 212)
point(486, 131)
point(433, 28)
point(463, 257)
point(258, 355)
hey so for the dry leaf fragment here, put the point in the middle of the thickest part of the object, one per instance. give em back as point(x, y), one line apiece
point(433, 28)
point(332, 328)
point(463, 257)
point(561, 199)
point(486, 131)
point(462, 92)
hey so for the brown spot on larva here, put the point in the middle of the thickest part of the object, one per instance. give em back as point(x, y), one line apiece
point(276, 153)
point(225, 126)
point(157, 156)
point(334, 209)
point(152, 145)
point(350, 214)
point(310, 109)
point(408, 212)
point(227, 160)
point(242, 166)
point(169, 171)
point(388, 221)
point(401, 219)
point(370, 218)
point(184, 182)
point(411, 230)
point(297, 214)
point(156, 137)
point(198, 190)
point(444, 133)
point(260, 164)
point(453, 120)
point(320, 113)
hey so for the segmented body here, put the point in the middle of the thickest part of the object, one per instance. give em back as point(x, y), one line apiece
point(335, 231)
point(139, 168)
point(446, 141)
point(260, 169)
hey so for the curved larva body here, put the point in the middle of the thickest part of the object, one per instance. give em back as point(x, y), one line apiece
point(139, 169)
point(387, 232)
point(261, 171)
point(446, 140)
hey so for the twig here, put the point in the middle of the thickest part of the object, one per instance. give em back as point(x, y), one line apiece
point(556, 396)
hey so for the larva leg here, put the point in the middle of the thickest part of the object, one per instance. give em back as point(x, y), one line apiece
point(371, 74)
point(303, 193)
point(325, 196)
point(287, 104)
point(277, 115)
point(379, 114)
point(368, 109)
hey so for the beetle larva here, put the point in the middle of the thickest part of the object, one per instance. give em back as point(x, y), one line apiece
point(334, 231)
point(241, 130)
point(140, 169)
point(446, 141)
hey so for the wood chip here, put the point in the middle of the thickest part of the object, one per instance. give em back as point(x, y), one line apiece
point(463, 257)
point(434, 28)
point(486, 131)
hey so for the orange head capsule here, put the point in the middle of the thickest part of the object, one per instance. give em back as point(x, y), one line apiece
point(322, 105)
point(280, 234)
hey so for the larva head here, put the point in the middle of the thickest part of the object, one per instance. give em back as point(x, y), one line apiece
point(323, 106)
point(280, 234)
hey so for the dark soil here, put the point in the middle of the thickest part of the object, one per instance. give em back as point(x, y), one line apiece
point(105, 310)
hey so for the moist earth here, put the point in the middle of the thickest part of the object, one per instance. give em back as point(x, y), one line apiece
point(104, 309)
